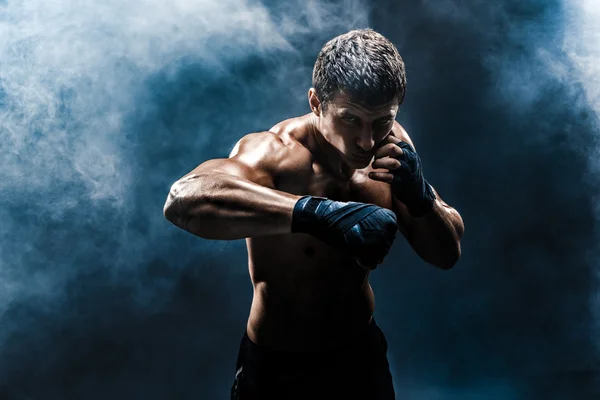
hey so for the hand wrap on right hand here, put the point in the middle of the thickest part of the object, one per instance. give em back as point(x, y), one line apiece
point(364, 231)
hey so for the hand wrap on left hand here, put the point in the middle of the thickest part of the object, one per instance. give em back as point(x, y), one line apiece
point(409, 186)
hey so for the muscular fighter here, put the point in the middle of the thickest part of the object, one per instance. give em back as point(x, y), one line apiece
point(319, 199)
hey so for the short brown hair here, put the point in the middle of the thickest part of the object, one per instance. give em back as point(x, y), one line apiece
point(363, 64)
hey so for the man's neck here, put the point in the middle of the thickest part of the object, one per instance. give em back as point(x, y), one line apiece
point(327, 155)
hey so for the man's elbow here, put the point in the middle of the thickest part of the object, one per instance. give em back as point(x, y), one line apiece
point(448, 259)
point(448, 263)
point(172, 208)
point(451, 254)
point(169, 212)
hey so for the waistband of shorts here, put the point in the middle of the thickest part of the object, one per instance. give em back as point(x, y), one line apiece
point(368, 329)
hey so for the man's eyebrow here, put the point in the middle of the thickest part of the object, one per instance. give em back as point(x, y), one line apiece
point(346, 111)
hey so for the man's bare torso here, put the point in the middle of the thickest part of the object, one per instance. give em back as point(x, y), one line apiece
point(308, 296)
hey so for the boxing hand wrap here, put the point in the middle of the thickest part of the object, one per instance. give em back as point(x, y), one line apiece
point(409, 186)
point(363, 231)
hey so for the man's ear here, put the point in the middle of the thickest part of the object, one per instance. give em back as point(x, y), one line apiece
point(314, 102)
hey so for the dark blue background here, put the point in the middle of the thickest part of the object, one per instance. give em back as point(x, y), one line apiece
point(103, 298)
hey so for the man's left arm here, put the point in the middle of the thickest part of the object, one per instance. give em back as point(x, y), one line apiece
point(432, 227)
point(435, 236)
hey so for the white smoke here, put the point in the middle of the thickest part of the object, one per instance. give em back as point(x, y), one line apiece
point(582, 45)
point(528, 59)
point(90, 57)
point(562, 47)
point(69, 74)
point(562, 50)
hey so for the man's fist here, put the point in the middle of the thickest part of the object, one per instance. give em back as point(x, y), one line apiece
point(363, 231)
point(405, 174)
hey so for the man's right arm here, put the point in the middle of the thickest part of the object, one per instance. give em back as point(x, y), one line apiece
point(234, 198)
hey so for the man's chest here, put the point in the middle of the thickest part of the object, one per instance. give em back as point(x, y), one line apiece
point(318, 182)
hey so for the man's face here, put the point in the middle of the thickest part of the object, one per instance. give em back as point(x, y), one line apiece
point(356, 129)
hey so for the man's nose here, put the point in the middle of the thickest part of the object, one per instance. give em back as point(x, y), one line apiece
point(365, 140)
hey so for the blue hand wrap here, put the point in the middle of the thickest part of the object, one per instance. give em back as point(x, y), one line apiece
point(364, 231)
point(409, 186)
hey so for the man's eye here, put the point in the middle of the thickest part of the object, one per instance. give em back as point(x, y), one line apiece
point(349, 118)
point(384, 121)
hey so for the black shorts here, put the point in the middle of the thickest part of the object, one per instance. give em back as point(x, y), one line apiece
point(359, 370)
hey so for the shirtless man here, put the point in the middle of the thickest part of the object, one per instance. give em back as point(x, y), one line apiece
point(319, 199)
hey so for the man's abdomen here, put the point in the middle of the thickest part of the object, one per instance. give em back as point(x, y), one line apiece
point(305, 295)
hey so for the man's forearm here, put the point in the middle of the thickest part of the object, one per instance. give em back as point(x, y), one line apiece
point(226, 207)
point(436, 235)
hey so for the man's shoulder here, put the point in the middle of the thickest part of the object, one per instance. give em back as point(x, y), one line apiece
point(294, 131)
point(282, 147)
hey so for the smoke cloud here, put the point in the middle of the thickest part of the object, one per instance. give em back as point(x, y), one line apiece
point(104, 105)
